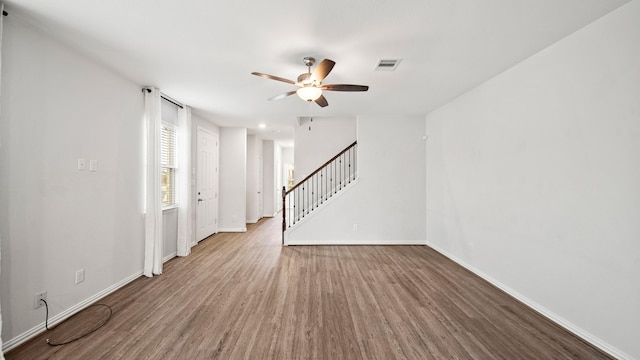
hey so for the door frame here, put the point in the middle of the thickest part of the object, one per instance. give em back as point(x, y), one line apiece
point(200, 129)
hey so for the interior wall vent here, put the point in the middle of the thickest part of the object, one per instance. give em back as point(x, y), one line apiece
point(387, 64)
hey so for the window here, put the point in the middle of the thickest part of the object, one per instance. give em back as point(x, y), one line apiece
point(168, 162)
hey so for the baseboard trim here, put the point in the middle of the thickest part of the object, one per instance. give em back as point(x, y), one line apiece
point(232, 229)
point(40, 328)
point(356, 242)
point(567, 325)
point(169, 257)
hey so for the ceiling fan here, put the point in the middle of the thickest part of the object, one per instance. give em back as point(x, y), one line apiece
point(310, 84)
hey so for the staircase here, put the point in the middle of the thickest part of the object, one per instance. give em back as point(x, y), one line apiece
point(313, 191)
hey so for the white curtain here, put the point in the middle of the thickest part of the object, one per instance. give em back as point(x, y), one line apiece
point(153, 193)
point(1, 21)
point(183, 183)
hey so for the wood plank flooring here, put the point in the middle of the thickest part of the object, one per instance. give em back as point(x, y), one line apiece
point(243, 296)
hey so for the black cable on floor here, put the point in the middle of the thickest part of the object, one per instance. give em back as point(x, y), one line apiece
point(46, 323)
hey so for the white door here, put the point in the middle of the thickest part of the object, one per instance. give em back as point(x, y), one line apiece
point(260, 188)
point(206, 184)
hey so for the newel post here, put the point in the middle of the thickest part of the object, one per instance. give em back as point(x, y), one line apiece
point(284, 212)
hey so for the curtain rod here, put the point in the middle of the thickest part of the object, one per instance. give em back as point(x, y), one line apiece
point(171, 101)
point(166, 98)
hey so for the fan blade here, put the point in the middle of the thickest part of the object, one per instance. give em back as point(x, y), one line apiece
point(344, 87)
point(267, 76)
point(322, 101)
point(323, 69)
point(282, 96)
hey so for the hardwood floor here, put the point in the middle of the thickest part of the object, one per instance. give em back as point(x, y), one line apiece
point(243, 296)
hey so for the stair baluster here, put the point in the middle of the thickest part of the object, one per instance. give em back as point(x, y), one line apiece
point(314, 190)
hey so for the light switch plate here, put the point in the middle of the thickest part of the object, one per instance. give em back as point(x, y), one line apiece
point(79, 276)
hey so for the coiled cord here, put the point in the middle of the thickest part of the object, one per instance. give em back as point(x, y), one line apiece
point(46, 323)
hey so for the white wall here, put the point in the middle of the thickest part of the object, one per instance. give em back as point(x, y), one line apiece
point(169, 233)
point(279, 182)
point(233, 177)
point(287, 163)
point(287, 156)
point(270, 188)
point(251, 183)
point(387, 203)
point(327, 137)
point(57, 107)
point(533, 181)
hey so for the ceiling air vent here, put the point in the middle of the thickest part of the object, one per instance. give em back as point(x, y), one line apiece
point(387, 64)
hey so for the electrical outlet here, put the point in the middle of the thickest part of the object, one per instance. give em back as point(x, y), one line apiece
point(37, 297)
point(79, 276)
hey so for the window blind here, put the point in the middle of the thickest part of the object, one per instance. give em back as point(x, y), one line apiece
point(168, 162)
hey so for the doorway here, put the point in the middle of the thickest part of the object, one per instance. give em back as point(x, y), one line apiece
point(206, 184)
point(260, 188)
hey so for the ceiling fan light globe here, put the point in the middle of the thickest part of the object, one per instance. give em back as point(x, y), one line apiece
point(309, 93)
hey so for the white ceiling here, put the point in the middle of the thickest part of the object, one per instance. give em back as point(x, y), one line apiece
point(202, 52)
